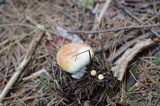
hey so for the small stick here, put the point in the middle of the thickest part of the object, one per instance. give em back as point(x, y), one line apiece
point(101, 15)
point(19, 99)
point(70, 3)
point(115, 29)
point(65, 14)
point(141, 22)
point(35, 26)
point(137, 19)
point(119, 42)
point(23, 64)
point(127, 45)
point(36, 74)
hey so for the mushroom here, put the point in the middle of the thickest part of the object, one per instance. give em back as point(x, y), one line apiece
point(100, 76)
point(74, 57)
point(93, 73)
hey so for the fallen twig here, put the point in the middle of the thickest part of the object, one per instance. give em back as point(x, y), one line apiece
point(117, 43)
point(101, 15)
point(36, 26)
point(137, 19)
point(127, 45)
point(116, 29)
point(16, 41)
point(23, 64)
point(36, 74)
point(54, 8)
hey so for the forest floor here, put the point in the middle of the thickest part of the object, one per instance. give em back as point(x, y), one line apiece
point(124, 34)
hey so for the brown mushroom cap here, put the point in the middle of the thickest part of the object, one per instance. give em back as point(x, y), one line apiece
point(73, 57)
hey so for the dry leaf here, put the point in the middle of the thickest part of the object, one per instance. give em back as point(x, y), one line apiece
point(73, 37)
point(121, 64)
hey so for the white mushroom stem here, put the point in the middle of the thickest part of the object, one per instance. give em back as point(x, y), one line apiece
point(79, 74)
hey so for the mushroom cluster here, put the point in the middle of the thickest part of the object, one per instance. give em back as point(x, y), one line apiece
point(94, 73)
point(74, 57)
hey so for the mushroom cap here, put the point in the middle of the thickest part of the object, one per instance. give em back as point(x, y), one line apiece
point(100, 76)
point(93, 73)
point(73, 57)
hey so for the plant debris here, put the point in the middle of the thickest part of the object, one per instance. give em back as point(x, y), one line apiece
point(110, 27)
point(121, 64)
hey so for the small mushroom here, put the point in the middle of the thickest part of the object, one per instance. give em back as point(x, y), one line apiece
point(74, 57)
point(93, 73)
point(100, 76)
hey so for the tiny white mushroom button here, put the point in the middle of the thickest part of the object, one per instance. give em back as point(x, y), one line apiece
point(100, 76)
point(93, 73)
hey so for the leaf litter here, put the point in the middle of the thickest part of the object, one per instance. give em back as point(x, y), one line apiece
point(121, 64)
point(135, 21)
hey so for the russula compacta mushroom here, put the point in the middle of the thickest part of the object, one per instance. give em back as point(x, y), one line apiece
point(74, 57)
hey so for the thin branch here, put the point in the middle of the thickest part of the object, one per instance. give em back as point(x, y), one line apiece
point(16, 41)
point(127, 45)
point(65, 14)
point(22, 65)
point(116, 29)
point(117, 43)
point(141, 22)
point(37, 26)
point(19, 99)
point(70, 3)
point(137, 19)
point(103, 11)
point(36, 74)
